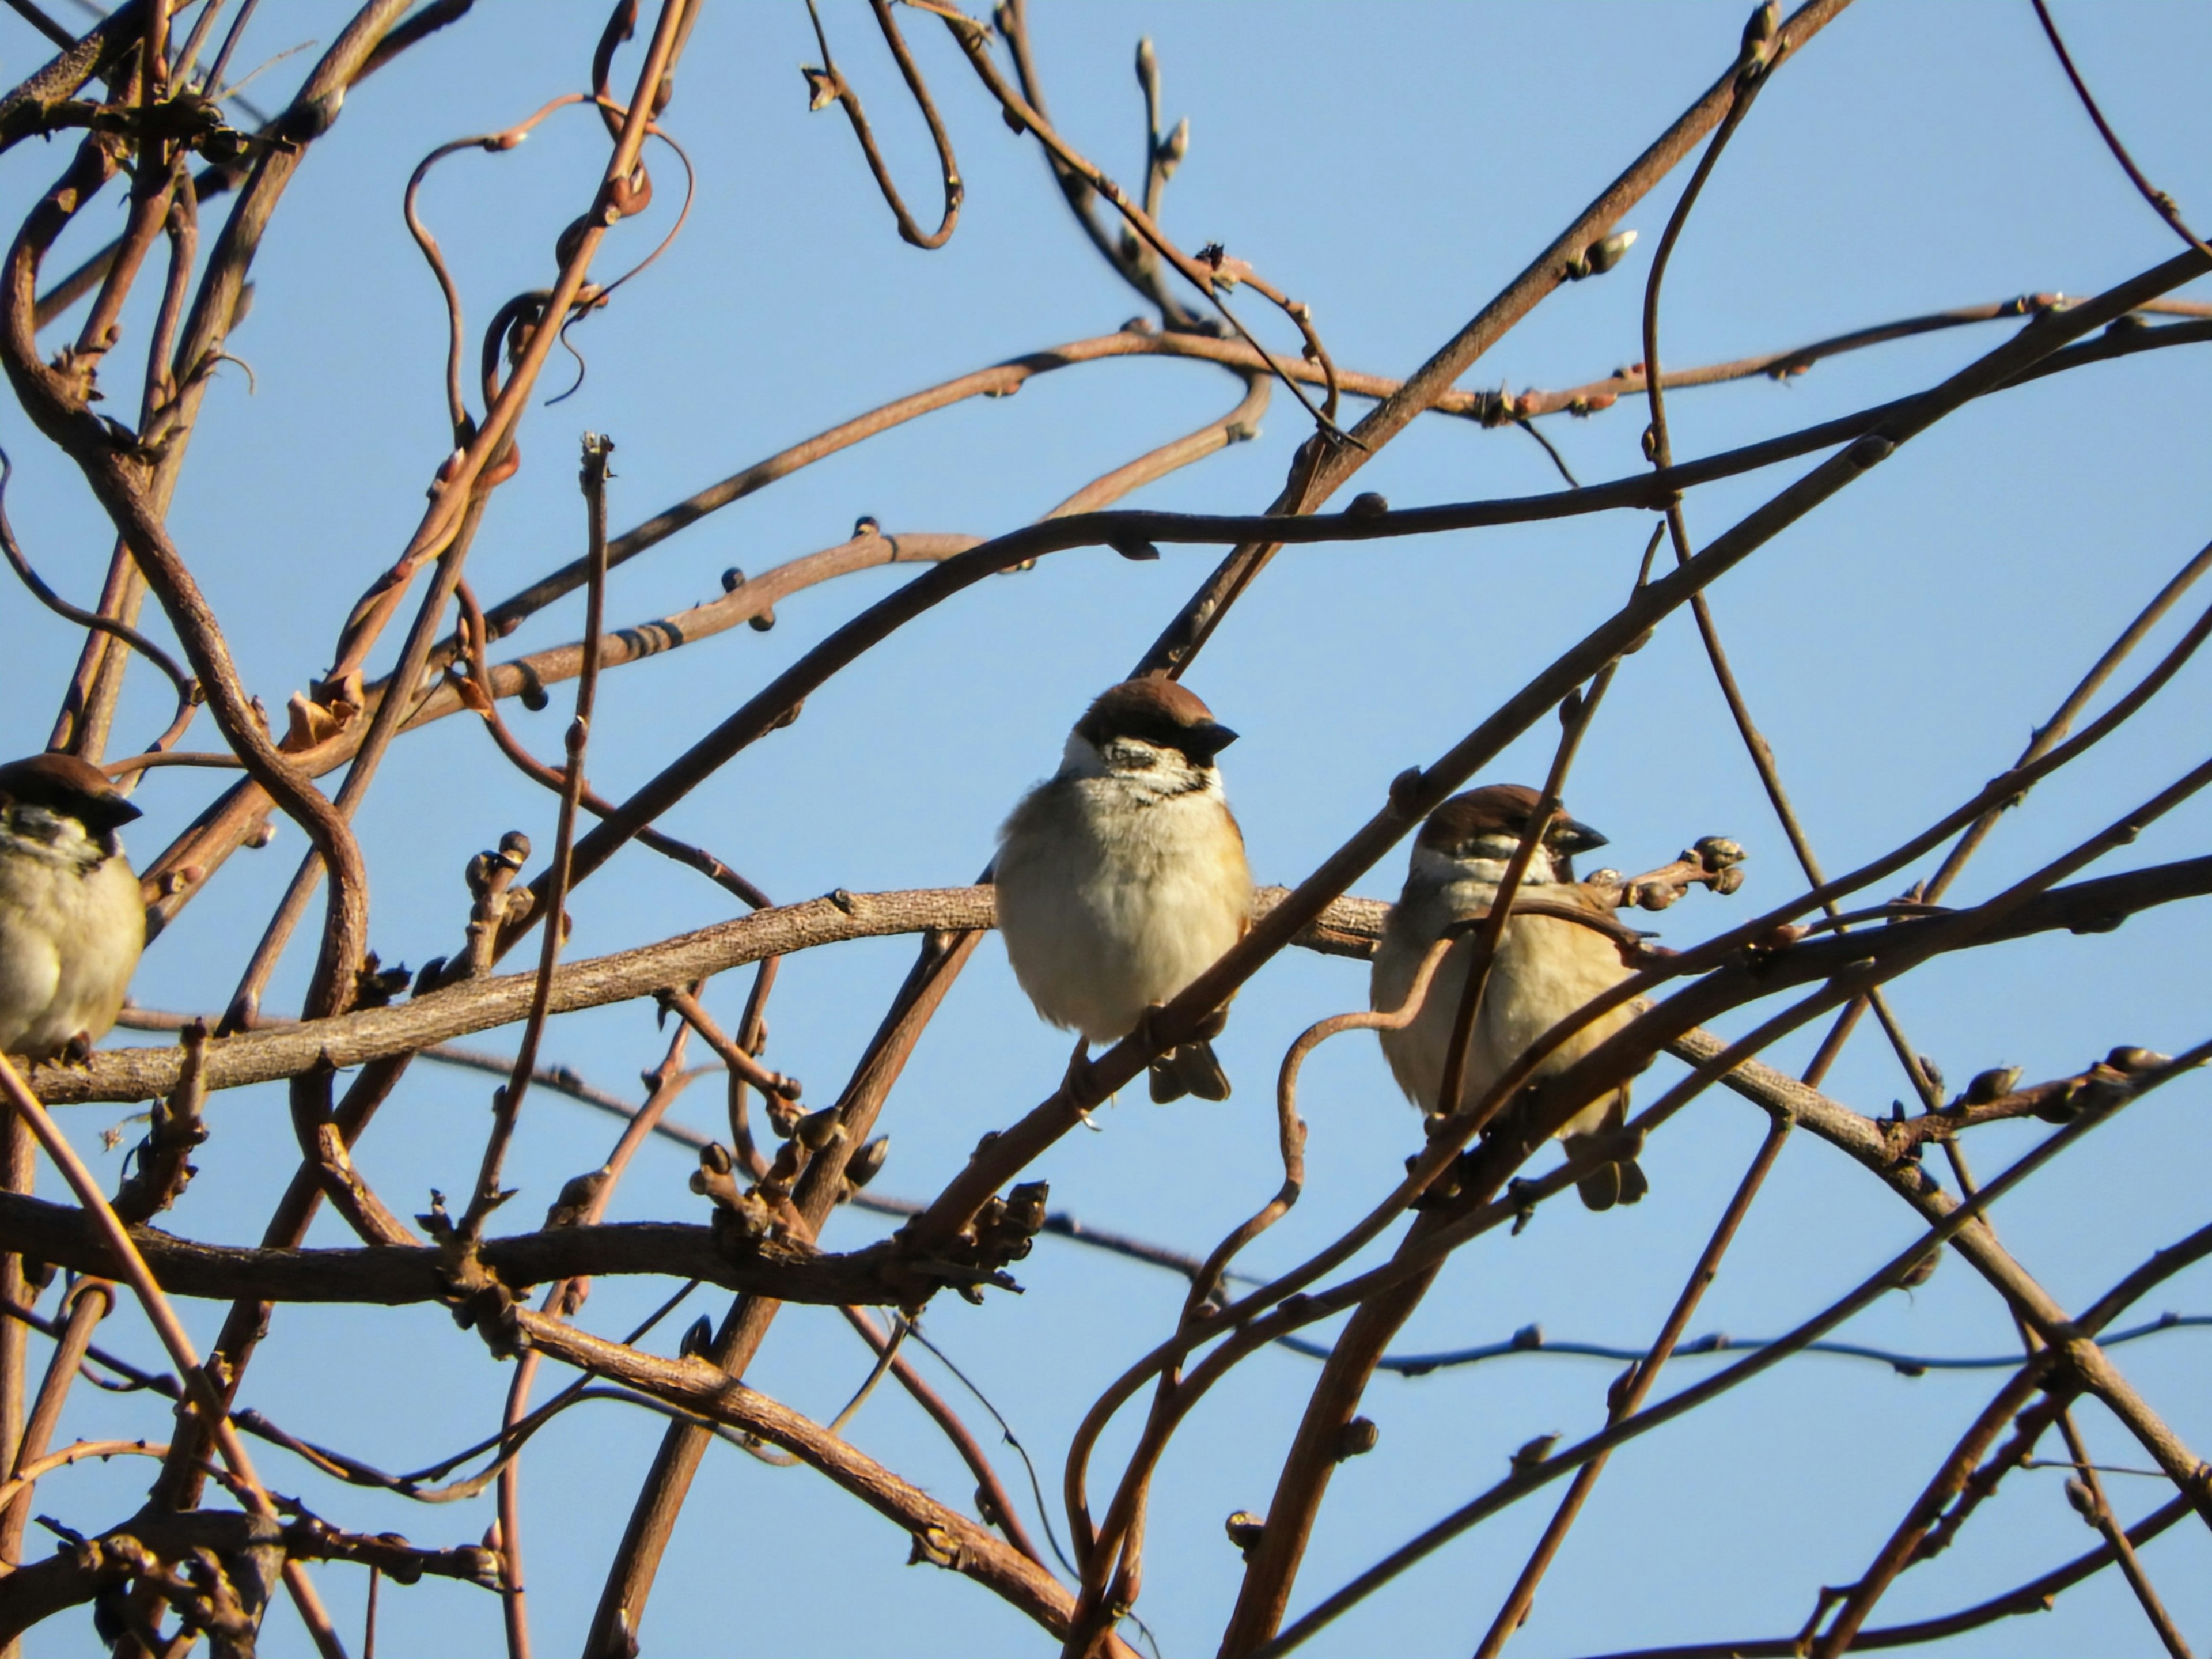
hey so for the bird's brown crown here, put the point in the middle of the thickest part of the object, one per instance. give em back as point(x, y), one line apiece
point(1159, 712)
point(64, 784)
point(1496, 809)
point(1499, 809)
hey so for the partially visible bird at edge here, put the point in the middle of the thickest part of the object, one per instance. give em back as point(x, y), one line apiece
point(71, 920)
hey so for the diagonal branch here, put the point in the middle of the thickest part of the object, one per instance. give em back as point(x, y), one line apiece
point(943, 1537)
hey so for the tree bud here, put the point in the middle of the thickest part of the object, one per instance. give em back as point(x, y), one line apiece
point(868, 1161)
point(817, 1131)
point(1993, 1084)
point(1357, 1438)
point(1603, 256)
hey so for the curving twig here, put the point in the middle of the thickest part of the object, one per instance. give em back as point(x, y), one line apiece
point(457, 480)
point(188, 689)
point(828, 86)
point(2162, 203)
point(1114, 1548)
point(457, 503)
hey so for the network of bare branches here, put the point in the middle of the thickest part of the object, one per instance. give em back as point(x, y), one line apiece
point(145, 103)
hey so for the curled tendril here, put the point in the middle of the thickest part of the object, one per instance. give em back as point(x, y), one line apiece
point(496, 143)
point(600, 296)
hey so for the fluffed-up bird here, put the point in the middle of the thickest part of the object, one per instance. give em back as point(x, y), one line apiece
point(1122, 878)
point(71, 920)
point(1546, 968)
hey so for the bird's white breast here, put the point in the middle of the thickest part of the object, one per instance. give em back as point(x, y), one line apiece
point(71, 927)
point(1546, 969)
point(1113, 895)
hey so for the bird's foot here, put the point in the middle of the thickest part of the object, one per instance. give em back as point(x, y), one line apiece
point(1080, 1084)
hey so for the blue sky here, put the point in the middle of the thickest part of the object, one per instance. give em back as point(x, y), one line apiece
point(1394, 167)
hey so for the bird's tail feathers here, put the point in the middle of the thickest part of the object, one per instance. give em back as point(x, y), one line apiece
point(1191, 1069)
point(1615, 1182)
point(1609, 1184)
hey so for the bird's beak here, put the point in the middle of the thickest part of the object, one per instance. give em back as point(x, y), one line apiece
point(106, 812)
point(1570, 835)
point(1206, 739)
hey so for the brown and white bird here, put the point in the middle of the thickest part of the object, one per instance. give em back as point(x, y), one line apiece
point(1121, 878)
point(1545, 969)
point(71, 920)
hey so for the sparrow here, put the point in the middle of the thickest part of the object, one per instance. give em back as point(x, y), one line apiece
point(1121, 878)
point(1546, 968)
point(71, 920)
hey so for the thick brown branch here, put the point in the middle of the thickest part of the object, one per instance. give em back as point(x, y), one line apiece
point(1344, 927)
point(31, 107)
point(475, 1006)
point(78, 1572)
point(398, 1275)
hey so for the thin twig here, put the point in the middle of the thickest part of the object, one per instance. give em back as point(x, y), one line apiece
point(508, 1102)
point(188, 689)
point(2161, 201)
point(1627, 1400)
point(830, 86)
point(2099, 1514)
